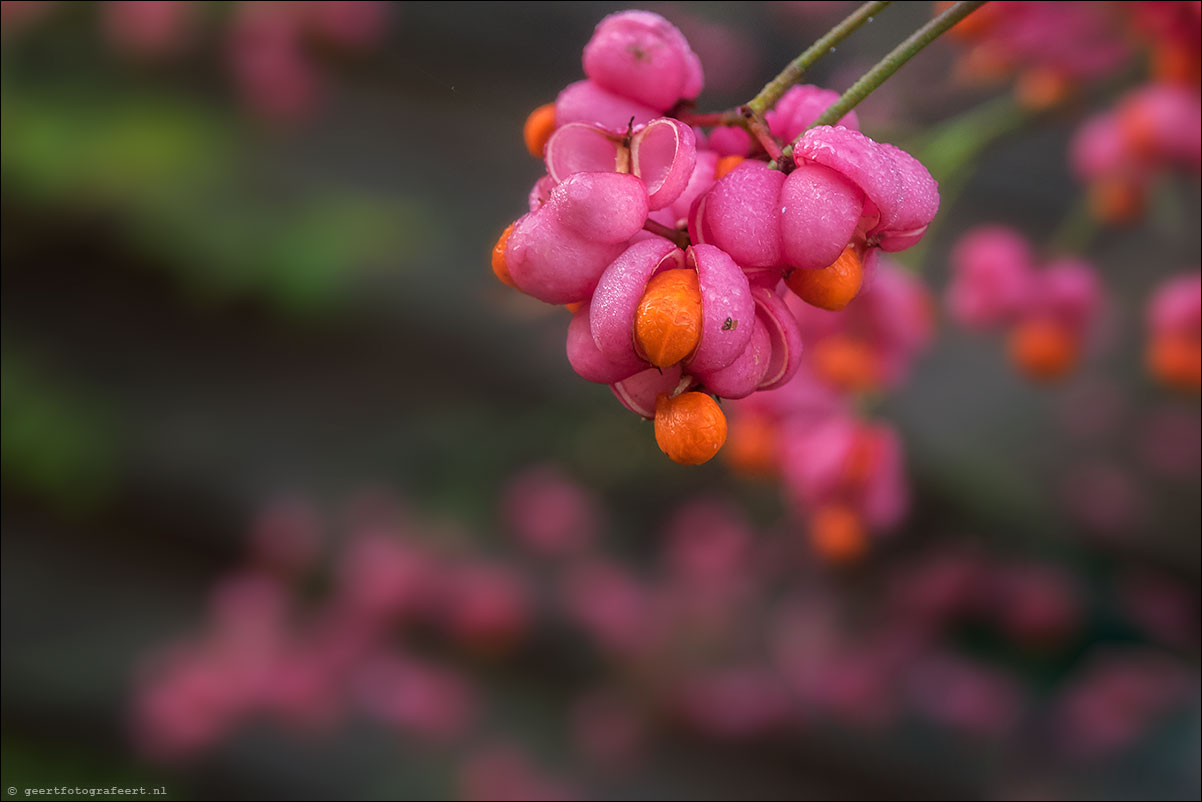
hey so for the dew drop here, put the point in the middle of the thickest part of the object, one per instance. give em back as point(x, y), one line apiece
point(832, 50)
point(870, 19)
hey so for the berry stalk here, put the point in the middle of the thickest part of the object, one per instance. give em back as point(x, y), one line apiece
point(796, 68)
point(891, 63)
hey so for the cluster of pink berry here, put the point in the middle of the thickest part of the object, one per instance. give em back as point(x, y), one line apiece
point(1174, 319)
point(1048, 312)
point(674, 249)
point(1054, 48)
point(843, 474)
point(1118, 153)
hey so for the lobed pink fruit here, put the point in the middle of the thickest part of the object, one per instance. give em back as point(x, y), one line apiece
point(559, 251)
point(740, 215)
point(819, 212)
point(902, 197)
point(641, 56)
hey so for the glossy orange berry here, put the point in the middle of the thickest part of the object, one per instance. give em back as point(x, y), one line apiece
point(667, 323)
point(1176, 361)
point(726, 164)
point(846, 363)
point(538, 129)
point(837, 534)
point(834, 286)
point(1042, 349)
point(690, 428)
point(499, 268)
point(754, 445)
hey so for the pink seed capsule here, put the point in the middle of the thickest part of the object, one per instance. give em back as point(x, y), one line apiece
point(558, 252)
point(641, 56)
point(741, 215)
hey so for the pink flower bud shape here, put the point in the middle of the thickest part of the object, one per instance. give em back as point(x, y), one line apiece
point(799, 107)
point(641, 56)
point(586, 102)
point(558, 252)
point(740, 215)
point(992, 277)
point(901, 197)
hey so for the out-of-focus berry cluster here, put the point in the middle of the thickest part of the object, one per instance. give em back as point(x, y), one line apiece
point(1055, 49)
point(674, 248)
point(1047, 312)
point(727, 635)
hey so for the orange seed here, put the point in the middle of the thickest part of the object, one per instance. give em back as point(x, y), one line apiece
point(499, 268)
point(834, 286)
point(846, 363)
point(1039, 88)
point(754, 448)
point(667, 323)
point(1176, 362)
point(1042, 349)
point(538, 129)
point(726, 164)
point(689, 428)
point(837, 534)
point(1116, 199)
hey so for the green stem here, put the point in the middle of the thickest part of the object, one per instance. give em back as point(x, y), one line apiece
point(796, 68)
point(890, 64)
